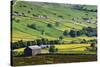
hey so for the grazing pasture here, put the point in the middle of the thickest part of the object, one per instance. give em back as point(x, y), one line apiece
point(60, 19)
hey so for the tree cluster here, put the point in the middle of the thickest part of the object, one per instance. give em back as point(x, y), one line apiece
point(52, 49)
point(42, 41)
point(88, 31)
point(83, 8)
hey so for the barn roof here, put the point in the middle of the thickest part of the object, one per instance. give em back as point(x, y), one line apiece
point(34, 47)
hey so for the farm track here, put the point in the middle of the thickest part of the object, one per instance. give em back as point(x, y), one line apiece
point(53, 59)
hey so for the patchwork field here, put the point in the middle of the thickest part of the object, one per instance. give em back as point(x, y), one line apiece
point(41, 14)
point(68, 33)
point(62, 49)
point(71, 49)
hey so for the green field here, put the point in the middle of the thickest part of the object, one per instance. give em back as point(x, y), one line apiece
point(62, 49)
point(71, 49)
point(70, 31)
point(30, 13)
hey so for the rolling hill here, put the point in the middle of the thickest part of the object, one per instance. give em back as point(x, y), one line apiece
point(34, 20)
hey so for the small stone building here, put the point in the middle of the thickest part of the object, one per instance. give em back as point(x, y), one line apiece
point(32, 50)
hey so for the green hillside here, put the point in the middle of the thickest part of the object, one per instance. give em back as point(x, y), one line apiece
point(32, 20)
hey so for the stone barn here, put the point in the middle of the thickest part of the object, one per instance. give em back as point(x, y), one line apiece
point(32, 50)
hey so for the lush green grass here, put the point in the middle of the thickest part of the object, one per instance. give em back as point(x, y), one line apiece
point(62, 13)
point(21, 31)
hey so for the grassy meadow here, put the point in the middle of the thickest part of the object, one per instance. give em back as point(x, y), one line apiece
point(64, 15)
point(69, 29)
